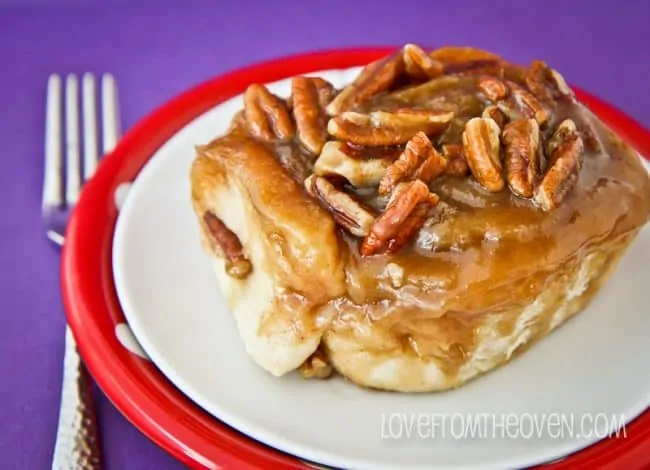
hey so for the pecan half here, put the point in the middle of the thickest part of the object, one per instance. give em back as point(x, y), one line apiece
point(237, 265)
point(456, 162)
point(387, 127)
point(493, 88)
point(496, 114)
point(584, 122)
point(376, 77)
point(528, 105)
point(546, 83)
point(360, 172)
point(404, 200)
point(481, 148)
point(316, 366)
point(418, 160)
point(521, 142)
point(565, 160)
point(309, 102)
point(346, 211)
point(419, 65)
point(267, 117)
point(326, 91)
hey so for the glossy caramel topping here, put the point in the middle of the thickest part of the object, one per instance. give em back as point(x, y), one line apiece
point(468, 214)
point(481, 247)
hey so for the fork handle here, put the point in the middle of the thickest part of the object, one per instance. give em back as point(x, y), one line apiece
point(77, 439)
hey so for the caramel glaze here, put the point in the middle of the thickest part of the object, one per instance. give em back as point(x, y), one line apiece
point(481, 255)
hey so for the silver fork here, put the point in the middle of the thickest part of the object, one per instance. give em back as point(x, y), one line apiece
point(77, 442)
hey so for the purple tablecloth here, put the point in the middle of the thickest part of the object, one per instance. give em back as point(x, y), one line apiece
point(157, 51)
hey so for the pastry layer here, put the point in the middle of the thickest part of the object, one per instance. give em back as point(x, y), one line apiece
point(370, 356)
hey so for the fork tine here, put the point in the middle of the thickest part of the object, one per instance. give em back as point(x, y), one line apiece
point(89, 110)
point(53, 162)
point(110, 113)
point(73, 174)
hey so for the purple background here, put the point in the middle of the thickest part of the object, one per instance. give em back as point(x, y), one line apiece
point(157, 51)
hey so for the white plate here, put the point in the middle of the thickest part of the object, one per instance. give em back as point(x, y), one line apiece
point(592, 368)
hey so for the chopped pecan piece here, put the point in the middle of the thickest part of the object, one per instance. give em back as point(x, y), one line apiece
point(456, 162)
point(266, 115)
point(527, 104)
point(436, 85)
point(536, 77)
point(509, 109)
point(481, 148)
point(451, 54)
point(346, 211)
point(418, 160)
point(496, 114)
point(468, 60)
point(493, 88)
point(419, 65)
point(475, 66)
point(546, 83)
point(565, 131)
point(402, 203)
point(359, 152)
point(521, 142)
point(376, 77)
point(334, 160)
point(565, 160)
point(326, 91)
point(433, 166)
point(410, 227)
point(309, 102)
point(316, 366)
point(387, 127)
point(237, 265)
point(560, 84)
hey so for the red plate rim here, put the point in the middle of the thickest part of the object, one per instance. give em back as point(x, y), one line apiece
point(134, 385)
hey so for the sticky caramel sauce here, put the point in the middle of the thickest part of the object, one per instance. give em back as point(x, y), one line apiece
point(492, 254)
point(482, 256)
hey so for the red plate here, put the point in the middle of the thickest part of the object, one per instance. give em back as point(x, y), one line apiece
point(133, 384)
